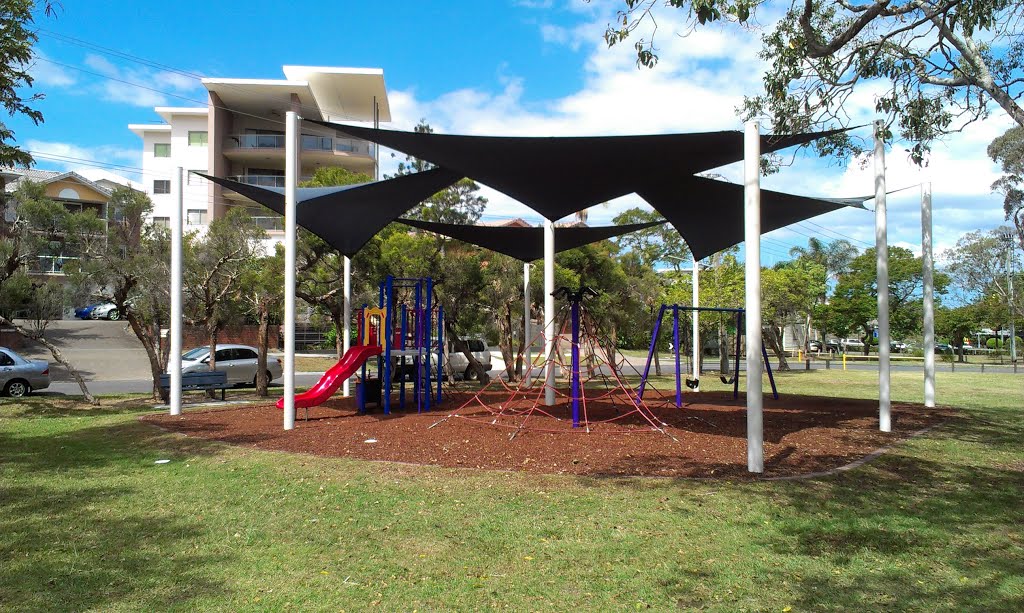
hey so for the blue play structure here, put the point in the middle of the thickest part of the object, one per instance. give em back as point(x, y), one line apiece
point(408, 335)
point(734, 379)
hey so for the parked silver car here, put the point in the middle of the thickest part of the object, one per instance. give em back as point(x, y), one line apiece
point(238, 361)
point(19, 376)
point(106, 310)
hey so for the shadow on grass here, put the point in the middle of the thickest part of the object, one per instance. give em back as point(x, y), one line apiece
point(72, 543)
point(933, 526)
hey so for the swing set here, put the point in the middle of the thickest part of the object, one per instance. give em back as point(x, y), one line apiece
point(732, 379)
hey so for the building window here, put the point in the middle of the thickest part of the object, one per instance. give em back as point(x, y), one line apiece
point(196, 217)
point(162, 222)
point(194, 179)
point(162, 186)
point(161, 150)
point(197, 138)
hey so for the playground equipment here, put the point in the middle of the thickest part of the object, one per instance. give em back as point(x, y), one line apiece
point(391, 331)
point(732, 379)
point(617, 402)
point(403, 333)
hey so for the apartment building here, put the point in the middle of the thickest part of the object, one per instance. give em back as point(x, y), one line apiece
point(71, 189)
point(240, 134)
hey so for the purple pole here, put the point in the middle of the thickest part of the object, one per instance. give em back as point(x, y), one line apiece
point(575, 364)
point(650, 353)
point(675, 341)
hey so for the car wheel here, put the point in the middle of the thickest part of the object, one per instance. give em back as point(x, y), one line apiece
point(113, 315)
point(470, 374)
point(17, 388)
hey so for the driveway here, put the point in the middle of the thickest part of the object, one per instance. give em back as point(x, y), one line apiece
point(100, 350)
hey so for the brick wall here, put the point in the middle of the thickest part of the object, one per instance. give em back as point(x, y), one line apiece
point(11, 339)
point(242, 335)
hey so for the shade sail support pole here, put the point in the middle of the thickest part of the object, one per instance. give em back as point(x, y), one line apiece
point(291, 174)
point(928, 267)
point(527, 337)
point(346, 334)
point(549, 312)
point(752, 298)
point(882, 273)
point(695, 323)
point(174, 363)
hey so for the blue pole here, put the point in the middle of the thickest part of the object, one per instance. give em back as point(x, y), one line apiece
point(440, 349)
point(418, 384)
point(427, 325)
point(388, 333)
point(575, 364)
point(401, 384)
point(675, 345)
point(650, 353)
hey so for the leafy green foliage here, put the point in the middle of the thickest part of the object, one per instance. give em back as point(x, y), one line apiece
point(940, 65)
point(1008, 151)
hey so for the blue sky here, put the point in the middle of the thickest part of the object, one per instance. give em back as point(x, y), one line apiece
point(525, 67)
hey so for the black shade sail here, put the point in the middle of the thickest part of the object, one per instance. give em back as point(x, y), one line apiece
point(348, 216)
point(526, 244)
point(558, 176)
point(709, 213)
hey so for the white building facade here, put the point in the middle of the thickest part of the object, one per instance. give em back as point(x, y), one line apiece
point(240, 134)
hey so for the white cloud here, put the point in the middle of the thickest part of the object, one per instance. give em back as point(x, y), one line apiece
point(100, 159)
point(699, 81)
point(142, 87)
point(48, 74)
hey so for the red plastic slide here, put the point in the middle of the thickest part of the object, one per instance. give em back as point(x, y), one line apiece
point(334, 377)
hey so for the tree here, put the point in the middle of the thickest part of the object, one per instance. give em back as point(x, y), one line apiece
point(833, 259)
point(789, 292)
point(1008, 151)
point(17, 38)
point(941, 64)
point(214, 266)
point(33, 225)
point(131, 269)
point(978, 267)
point(319, 267)
point(262, 283)
point(855, 302)
point(956, 325)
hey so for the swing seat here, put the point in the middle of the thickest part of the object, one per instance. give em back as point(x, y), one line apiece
point(727, 380)
point(692, 383)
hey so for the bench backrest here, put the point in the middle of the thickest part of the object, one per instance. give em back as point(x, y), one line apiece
point(203, 378)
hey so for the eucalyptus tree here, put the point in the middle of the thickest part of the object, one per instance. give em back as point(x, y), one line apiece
point(933, 67)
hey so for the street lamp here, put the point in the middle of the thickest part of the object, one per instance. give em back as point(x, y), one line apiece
point(1007, 236)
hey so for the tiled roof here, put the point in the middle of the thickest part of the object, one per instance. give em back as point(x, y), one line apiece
point(48, 176)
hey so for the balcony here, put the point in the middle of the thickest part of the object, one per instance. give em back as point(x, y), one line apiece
point(264, 143)
point(264, 180)
point(270, 224)
point(49, 264)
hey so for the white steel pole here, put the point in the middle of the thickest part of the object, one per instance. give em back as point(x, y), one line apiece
point(882, 267)
point(1012, 302)
point(291, 174)
point(928, 266)
point(527, 335)
point(752, 270)
point(346, 335)
point(174, 364)
point(549, 312)
point(695, 321)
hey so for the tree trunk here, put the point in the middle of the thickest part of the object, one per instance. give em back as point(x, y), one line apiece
point(57, 355)
point(338, 318)
point(156, 368)
point(261, 359)
point(774, 338)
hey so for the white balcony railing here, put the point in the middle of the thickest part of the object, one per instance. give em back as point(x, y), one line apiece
point(309, 143)
point(51, 264)
point(270, 224)
point(264, 180)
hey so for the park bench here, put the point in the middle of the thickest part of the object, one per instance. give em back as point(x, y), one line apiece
point(204, 380)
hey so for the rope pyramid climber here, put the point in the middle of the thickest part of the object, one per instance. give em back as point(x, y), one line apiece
point(599, 382)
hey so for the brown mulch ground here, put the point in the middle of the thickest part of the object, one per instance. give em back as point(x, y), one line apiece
point(706, 438)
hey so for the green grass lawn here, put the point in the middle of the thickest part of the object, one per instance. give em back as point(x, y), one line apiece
point(89, 521)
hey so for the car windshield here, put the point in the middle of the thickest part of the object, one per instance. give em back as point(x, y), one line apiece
point(194, 354)
point(476, 345)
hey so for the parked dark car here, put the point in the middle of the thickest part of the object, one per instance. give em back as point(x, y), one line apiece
point(85, 311)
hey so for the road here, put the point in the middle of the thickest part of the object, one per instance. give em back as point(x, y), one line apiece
point(112, 360)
